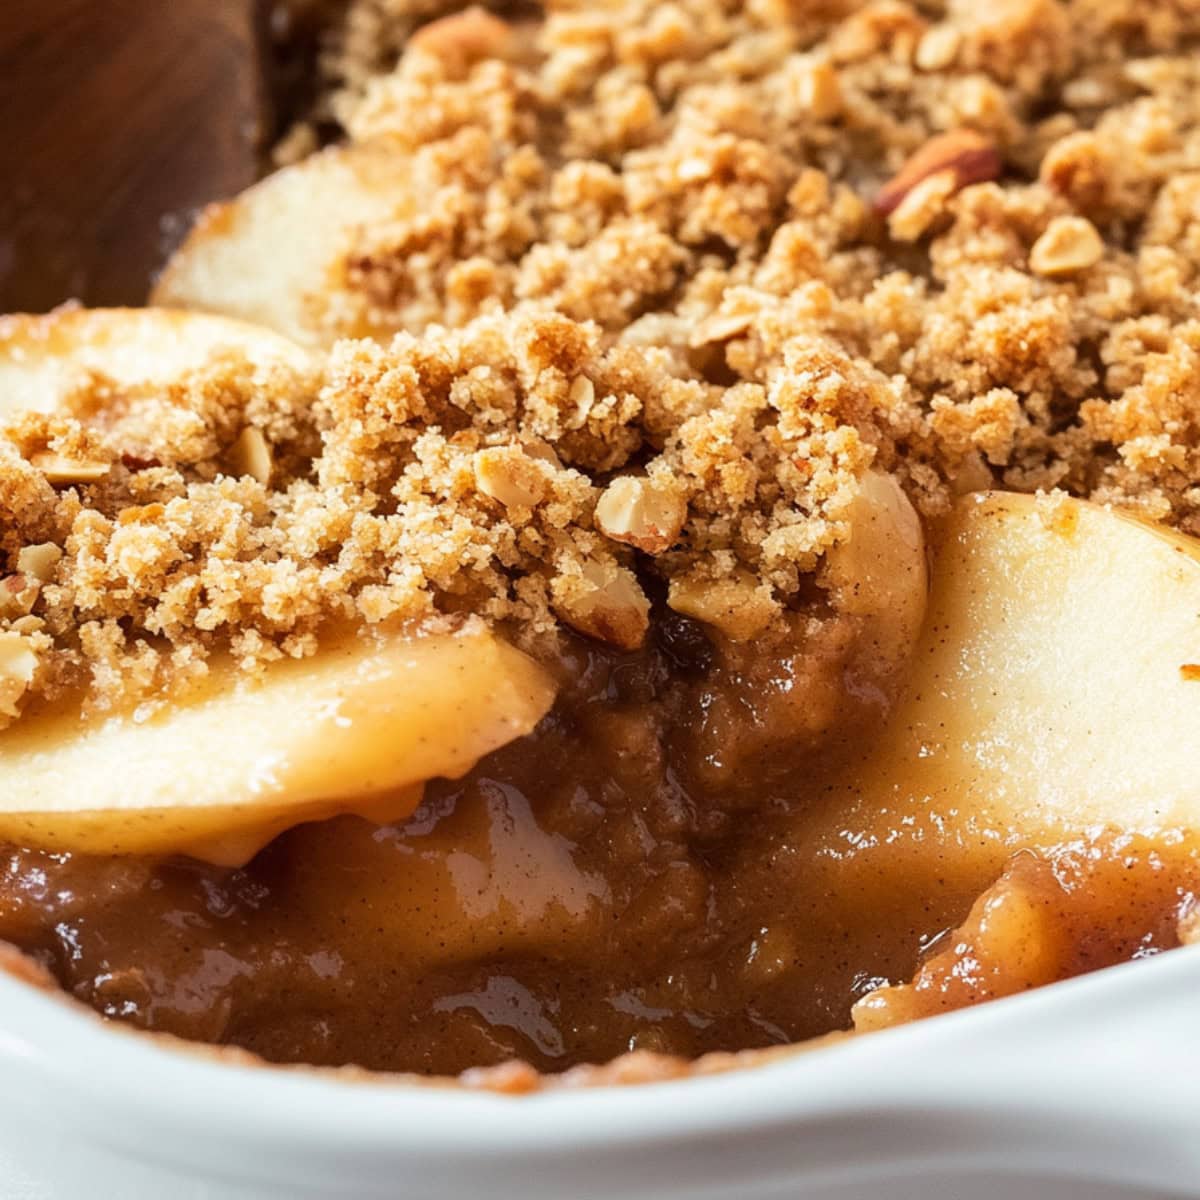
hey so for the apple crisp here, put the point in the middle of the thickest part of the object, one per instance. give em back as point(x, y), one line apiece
point(670, 343)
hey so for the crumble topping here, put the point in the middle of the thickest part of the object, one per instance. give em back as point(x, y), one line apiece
point(680, 274)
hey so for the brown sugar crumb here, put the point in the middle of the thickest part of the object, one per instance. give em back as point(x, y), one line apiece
point(462, 472)
point(680, 275)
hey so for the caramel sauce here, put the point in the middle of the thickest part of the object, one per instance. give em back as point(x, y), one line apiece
point(603, 885)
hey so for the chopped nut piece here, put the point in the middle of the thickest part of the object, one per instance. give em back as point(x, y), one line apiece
point(250, 455)
point(1069, 244)
point(938, 48)
point(641, 514)
point(819, 90)
point(464, 38)
point(738, 606)
point(142, 514)
point(720, 327)
point(967, 155)
point(603, 601)
point(58, 469)
point(18, 595)
point(582, 395)
point(38, 562)
point(543, 452)
point(509, 475)
point(913, 216)
point(18, 664)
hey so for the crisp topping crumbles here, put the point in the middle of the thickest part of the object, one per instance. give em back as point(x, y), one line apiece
point(678, 275)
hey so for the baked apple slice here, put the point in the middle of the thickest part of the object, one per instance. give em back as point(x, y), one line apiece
point(1049, 698)
point(355, 729)
point(271, 255)
point(44, 358)
point(1055, 688)
point(1054, 692)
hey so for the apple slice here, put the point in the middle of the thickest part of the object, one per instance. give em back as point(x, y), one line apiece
point(42, 358)
point(271, 254)
point(357, 728)
point(1051, 690)
point(1050, 694)
point(1047, 700)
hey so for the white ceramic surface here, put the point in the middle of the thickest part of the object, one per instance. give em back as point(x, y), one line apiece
point(1086, 1091)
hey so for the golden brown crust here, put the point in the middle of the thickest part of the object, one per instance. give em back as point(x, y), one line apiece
point(647, 242)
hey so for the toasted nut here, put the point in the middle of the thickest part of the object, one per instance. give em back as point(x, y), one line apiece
point(543, 452)
point(38, 562)
point(250, 455)
point(737, 605)
point(582, 395)
point(913, 216)
point(18, 595)
point(1069, 244)
point(509, 475)
point(938, 48)
point(464, 38)
point(58, 469)
point(18, 663)
point(142, 514)
point(969, 156)
point(693, 170)
point(641, 514)
point(603, 601)
point(819, 90)
point(720, 327)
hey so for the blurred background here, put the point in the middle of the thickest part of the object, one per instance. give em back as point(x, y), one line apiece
point(121, 118)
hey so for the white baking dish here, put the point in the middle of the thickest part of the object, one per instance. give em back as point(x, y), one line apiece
point(1089, 1090)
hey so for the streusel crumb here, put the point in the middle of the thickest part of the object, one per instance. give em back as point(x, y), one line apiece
point(671, 243)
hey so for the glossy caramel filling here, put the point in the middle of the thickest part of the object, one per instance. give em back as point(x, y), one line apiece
point(665, 864)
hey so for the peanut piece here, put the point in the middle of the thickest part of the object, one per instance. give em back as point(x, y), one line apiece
point(938, 49)
point(543, 452)
point(582, 395)
point(38, 562)
point(641, 514)
point(736, 605)
point(250, 455)
point(603, 601)
point(969, 156)
point(819, 90)
point(1070, 244)
point(18, 595)
point(60, 470)
point(509, 475)
point(720, 327)
point(462, 39)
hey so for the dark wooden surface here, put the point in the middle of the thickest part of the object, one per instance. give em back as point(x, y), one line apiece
point(118, 118)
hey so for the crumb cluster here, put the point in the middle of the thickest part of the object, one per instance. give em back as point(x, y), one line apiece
point(680, 273)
